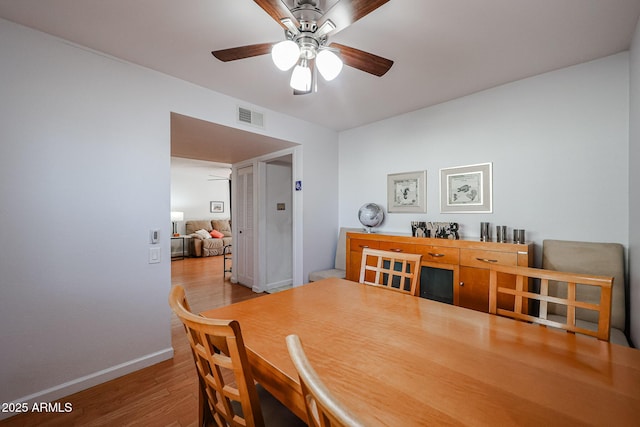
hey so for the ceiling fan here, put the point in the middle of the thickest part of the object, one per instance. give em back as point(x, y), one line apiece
point(307, 26)
point(214, 177)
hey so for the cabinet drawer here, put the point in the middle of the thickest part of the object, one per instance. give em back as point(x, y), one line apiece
point(408, 248)
point(484, 259)
point(357, 245)
point(439, 254)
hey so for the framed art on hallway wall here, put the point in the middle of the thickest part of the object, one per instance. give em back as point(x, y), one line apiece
point(216, 207)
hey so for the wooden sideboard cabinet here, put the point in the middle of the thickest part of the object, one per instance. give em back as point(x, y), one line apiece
point(453, 271)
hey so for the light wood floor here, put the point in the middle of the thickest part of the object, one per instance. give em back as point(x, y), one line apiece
point(161, 395)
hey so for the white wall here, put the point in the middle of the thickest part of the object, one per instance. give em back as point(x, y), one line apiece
point(192, 190)
point(634, 186)
point(558, 143)
point(84, 176)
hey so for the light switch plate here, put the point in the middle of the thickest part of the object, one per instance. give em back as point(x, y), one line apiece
point(154, 255)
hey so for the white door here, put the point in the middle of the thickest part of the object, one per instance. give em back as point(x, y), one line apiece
point(244, 241)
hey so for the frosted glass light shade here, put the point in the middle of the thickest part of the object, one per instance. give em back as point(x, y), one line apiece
point(301, 78)
point(285, 54)
point(329, 64)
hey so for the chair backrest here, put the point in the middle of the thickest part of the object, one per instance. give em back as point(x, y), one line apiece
point(603, 259)
point(520, 296)
point(222, 365)
point(323, 410)
point(393, 270)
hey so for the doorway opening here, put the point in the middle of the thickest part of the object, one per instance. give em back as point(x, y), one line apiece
point(221, 145)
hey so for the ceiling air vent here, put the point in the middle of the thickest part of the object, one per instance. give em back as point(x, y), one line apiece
point(250, 117)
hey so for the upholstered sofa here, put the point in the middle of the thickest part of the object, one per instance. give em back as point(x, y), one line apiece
point(203, 243)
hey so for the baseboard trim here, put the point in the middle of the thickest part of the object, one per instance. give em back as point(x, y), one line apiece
point(88, 381)
point(278, 286)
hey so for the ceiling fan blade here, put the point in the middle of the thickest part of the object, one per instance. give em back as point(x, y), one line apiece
point(346, 12)
point(242, 52)
point(364, 61)
point(278, 11)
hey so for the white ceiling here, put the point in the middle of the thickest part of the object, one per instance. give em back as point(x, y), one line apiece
point(193, 138)
point(443, 49)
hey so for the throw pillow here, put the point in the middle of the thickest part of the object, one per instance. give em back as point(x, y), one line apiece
point(216, 234)
point(223, 226)
point(204, 234)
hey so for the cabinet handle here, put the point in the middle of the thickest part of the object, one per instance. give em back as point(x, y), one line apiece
point(364, 246)
point(395, 250)
point(487, 260)
point(436, 255)
point(461, 283)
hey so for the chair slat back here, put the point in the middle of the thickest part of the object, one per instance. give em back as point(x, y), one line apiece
point(323, 409)
point(222, 365)
point(522, 295)
point(398, 271)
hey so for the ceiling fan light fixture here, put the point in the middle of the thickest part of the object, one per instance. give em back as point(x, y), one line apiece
point(301, 77)
point(307, 26)
point(329, 64)
point(285, 54)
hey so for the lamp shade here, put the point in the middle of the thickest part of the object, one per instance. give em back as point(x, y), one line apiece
point(177, 216)
point(285, 54)
point(301, 77)
point(329, 64)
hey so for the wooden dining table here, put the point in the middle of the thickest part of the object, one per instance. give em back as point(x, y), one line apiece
point(401, 360)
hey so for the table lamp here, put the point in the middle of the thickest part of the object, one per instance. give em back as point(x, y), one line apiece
point(176, 216)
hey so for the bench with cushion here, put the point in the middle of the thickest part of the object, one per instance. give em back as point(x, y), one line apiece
point(339, 269)
point(605, 259)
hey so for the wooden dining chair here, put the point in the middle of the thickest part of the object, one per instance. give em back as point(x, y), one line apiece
point(323, 409)
point(228, 394)
point(520, 296)
point(398, 271)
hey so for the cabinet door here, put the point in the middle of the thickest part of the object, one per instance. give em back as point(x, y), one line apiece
point(355, 258)
point(473, 289)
